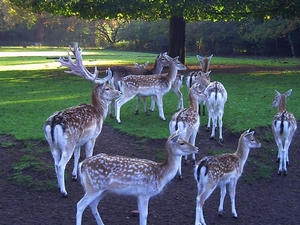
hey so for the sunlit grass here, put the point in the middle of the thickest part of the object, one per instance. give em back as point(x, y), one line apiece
point(28, 97)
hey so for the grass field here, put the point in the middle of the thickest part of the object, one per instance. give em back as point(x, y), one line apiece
point(32, 88)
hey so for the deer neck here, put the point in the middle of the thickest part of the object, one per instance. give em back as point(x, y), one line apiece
point(242, 153)
point(205, 65)
point(171, 76)
point(100, 104)
point(168, 169)
point(156, 68)
point(282, 103)
point(193, 103)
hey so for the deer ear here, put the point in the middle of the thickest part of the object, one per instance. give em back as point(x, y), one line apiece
point(175, 136)
point(288, 93)
point(200, 58)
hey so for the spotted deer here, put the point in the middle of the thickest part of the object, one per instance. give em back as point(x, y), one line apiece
point(216, 99)
point(119, 72)
point(195, 76)
point(151, 85)
point(284, 126)
point(187, 121)
point(142, 178)
point(69, 129)
point(222, 170)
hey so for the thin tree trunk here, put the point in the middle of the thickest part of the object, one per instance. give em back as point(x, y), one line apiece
point(292, 45)
point(177, 38)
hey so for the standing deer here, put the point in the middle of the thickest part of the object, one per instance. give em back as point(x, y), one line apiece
point(222, 170)
point(151, 85)
point(119, 72)
point(67, 130)
point(284, 126)
point(194, 76)
point(187, 121)
point(102, 174)
point(216, 99)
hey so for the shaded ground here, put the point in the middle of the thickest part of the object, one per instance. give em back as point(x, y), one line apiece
point(259, 200)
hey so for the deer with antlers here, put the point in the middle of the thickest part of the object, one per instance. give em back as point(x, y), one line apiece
point(222, 170)
point(67, 130)
point(284, 126)
point(196, 77)
point(187, 121)
point(102, 174)
point(151, 85)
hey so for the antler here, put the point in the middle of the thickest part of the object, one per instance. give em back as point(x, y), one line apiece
point(78, 69)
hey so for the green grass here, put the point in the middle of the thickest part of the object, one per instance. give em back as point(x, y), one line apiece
point(28, 97)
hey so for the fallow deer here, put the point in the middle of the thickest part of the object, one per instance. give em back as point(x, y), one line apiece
point(222, 170)
point(67, 130)
point(284, 126)
point(195, 76)
point(142, 178)
point(151, 85)
point(216, 99)
point(187, 121)
point(119, 72)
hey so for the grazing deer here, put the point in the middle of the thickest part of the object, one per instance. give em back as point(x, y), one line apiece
point(222, 170)
point(284, 126)
point(187, 121)
point(102, 174)
point(194, 76)
point(216, 99)
point(119, 72)
point(67, 130)
point(151, 85)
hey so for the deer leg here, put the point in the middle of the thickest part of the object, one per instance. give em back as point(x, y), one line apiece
point(76, 160)
point(213, 129)
point(118, 104)
point(92, 200)
point(153, 99)
point(222, 196)
point(220, 122)
point(160, 107)
point(145, 106)
point(180, 98)
point(56, 156)
point(111, 106)
point(137, 105)
point(204, 191)
point(203, 109)
point(232, 188)
point(179, 173)
point(143, 209)
point(65, 158)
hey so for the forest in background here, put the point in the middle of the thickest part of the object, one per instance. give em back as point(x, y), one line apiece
point(274, 37)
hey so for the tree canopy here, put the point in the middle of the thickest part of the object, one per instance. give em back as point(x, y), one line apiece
point(177, 11)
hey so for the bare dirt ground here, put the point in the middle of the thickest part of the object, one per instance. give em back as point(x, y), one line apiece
point(272, 200)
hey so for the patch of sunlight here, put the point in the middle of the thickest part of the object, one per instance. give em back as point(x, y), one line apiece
point(39, 100)
point(55, 65)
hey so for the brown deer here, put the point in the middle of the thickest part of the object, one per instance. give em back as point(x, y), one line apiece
point(151, 85)
point(142, 178)
point(284, 126)
point(69, 129)
point(195, 76)
point(222, 170)
point(187, 121)
point(119, 72)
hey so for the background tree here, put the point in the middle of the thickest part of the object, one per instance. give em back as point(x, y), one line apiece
point(178, 12)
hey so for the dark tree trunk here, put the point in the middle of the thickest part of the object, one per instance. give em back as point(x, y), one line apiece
point(177, 38)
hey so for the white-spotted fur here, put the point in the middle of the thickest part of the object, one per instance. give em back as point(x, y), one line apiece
point(142, 178)
point(222, 170)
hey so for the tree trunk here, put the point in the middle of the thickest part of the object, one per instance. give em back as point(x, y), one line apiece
point(292, 45)
point(177, 38)
point(40, 30)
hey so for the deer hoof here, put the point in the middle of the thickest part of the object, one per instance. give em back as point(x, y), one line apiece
point(284, 173)
point(136, 113)
point(220, 213)
point(279, 172)
point(221, 141)
point(65, 194)
point(74, 178)
point(207, 129)
point(212, 138)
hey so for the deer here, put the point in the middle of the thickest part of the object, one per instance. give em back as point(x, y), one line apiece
point(284, 126)
point(195, 76)
point(151, 85)
point(216, 99)
point(175, 87)
point(142, 178)
point(69, 129)
point(222, 170)
point(119, 72)
point(187, 120)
